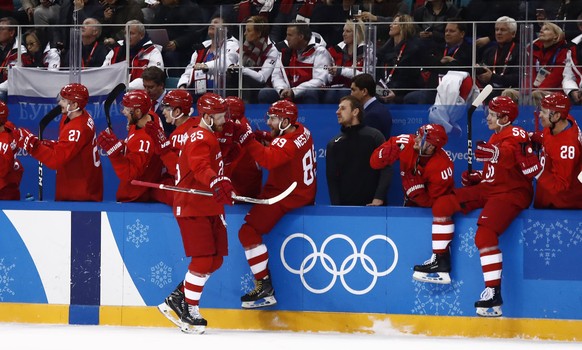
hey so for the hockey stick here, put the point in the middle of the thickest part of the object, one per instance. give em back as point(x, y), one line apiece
point(109, 101)
point(476, 103)
point(267, 201)
point(44, 122)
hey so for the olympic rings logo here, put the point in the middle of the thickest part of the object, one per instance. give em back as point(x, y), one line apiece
point(346, 266)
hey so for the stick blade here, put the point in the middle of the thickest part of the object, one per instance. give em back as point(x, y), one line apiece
point(113, 94)
point(49, 117)
point(482, 96)
point(268, 201)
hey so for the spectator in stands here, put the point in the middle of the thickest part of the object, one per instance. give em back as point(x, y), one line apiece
point(40, 54)
point(290, 11)
point(259, 57)
point(247, 9)
point(376, 114)
point(129, 158)
point(569, 11)
point(344, 68)
point(11, 169)
point(204, 61)
point(323, 17)
point(45, 13)
point(454, 54)
point(384, 11)
point(500, 62)
point(154, 83)
point(350, 179)
point(398, 61)
point(561, 156)
point(177, 16)
point(434, 15)
point(93, 50)
point(142, 53)
point(550, 52)
point(73, 155)
point(301, 71)
point(118, 12)
point(8, 51)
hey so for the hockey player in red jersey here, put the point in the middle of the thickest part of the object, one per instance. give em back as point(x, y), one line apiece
point(290, 157)
point(502, 189)
point(425, 168)
point(561, 141)
point(427, 174)
point(74, 155)
point(176, 109)
point(200, 218)
point(133, 158)
point(10, 168)
point(243, 170)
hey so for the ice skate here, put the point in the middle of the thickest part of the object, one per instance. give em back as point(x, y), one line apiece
point(173, 302)
point(490, 303)
point(434, 270)
point(262, 295)
point(192, 321)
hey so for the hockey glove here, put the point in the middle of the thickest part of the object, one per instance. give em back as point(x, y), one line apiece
point(109, 143)
point(26, 140)
point(528, 161)
point(471, 178)
point(263, 136)
point(386, 154)
point(243, 133)
point(413, 185)
point(155, 131)
point(486, 152)
point(537, 140)
point(222, 190)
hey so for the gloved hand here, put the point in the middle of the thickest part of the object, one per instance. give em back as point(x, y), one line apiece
point(109, 143)
point(222, 190)
point(528, 161)
point(263, 136)
point(26, 140)
point(537, 140)
point(155, 131)
point(413, 185)
point(388, 152)
point(243, 134)
point(471, 178)
point(486, 152)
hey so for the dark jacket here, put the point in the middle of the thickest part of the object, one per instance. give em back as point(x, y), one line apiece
point(350, 179)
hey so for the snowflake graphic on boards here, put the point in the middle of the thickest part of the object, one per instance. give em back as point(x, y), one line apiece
point(247, 282)
point(549, 239)
point(161, 274)
point(5, 279)
point(437, 299)
point(467, 244)
point(137, 233)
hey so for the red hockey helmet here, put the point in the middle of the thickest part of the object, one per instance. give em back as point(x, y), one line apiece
point(236, 107)
point(284, 109)
point(211, 103)
point(558, 103)
point(137, 99)
point(75, 92)
point(504, 106)
point(435, 134)
point(179, 98)
point(3, 113)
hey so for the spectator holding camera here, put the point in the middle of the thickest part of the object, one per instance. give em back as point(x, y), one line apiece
point(118, 12)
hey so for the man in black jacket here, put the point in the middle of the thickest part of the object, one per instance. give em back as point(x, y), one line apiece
point(350, 178)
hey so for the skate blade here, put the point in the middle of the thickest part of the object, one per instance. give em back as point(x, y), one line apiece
point(494, 311)
point(438, 277)
point(190, 329)
point(168, 313)
point(268, 301)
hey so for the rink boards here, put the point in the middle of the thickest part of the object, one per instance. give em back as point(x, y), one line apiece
point(344, 269)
